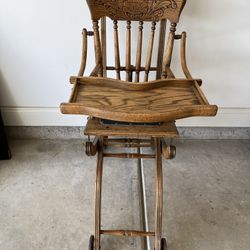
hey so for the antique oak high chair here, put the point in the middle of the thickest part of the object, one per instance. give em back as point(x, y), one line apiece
point(129, 113)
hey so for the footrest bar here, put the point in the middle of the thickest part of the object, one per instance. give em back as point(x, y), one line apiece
point(130, 156)
point(129, 233)
point(128, 143)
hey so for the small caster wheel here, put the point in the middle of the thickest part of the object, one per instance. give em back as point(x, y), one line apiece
point(168, 151)
point(88, 148)
point(91, 242)
point(91, 147)
point(163, 244)
point(173, 151)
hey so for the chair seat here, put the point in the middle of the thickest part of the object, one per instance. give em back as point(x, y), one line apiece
point(155, 101)
point(95, 127)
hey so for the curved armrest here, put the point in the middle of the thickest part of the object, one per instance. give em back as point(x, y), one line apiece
point(183, 56)
point(85, 35)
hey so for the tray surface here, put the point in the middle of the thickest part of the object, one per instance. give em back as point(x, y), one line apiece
point(156, 101)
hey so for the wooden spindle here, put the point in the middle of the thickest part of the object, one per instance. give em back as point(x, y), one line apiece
point(132, 68)
point(168, 51)
point(128, 52)
point(104, 47)
point(98, 50)
point(149, 53)
point(117, 51)
point(138, 53)
point(161, 44)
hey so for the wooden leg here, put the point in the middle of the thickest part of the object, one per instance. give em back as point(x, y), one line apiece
point(159, 195)
point(98, 198)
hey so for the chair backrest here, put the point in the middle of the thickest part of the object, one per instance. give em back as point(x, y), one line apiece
point(153, 11)
point(137, 10)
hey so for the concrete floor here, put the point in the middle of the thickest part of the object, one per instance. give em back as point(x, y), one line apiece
point(47, 196)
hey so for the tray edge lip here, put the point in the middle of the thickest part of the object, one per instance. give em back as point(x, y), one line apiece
point(120, 84)
point(180, 113)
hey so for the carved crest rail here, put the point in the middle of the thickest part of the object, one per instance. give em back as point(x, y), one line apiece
point(149, 10)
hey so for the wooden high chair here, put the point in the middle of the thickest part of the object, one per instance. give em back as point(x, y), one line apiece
point(129, 113)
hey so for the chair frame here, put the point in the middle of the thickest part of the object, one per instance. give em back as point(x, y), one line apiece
point(107, 138)
point(121, 135)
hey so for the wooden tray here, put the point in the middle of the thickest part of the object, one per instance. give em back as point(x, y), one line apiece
point(155, 101)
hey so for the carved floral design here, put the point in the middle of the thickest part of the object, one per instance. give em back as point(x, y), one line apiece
point(137, 9)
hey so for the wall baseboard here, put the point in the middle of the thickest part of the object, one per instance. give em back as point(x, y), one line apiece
point(27, 116)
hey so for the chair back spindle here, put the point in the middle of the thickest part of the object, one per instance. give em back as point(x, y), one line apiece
point(150, 51)
point(117, 51)
point(157, 11)
point(128, 52)
point(138, 53)
point(161, 44)
point(168, 52)
point(98, 50)
point(104, 47)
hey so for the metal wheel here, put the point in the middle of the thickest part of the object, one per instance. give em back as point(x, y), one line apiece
point(91, 242)
point(163, 244)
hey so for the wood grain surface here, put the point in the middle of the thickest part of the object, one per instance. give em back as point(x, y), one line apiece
point(156, 101)
point(150, 10)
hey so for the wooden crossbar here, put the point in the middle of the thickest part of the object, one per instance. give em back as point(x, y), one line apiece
point(129, 155)
point(130, 233)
